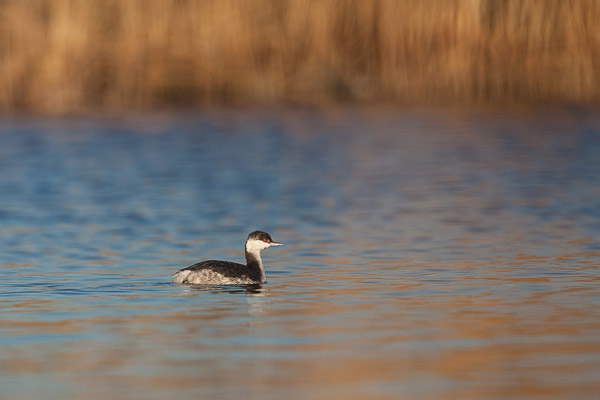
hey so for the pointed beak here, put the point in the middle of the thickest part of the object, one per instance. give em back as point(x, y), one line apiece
point(276, 244)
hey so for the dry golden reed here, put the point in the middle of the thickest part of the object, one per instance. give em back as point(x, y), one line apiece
point(77, 55)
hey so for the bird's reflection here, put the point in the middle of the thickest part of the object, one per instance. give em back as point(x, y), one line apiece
point(256, 289)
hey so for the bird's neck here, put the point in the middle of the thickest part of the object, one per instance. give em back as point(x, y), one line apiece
point(254, 262)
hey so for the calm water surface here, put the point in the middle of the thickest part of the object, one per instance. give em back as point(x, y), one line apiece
point(429, 255)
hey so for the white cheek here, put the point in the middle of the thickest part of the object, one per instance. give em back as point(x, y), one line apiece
point(256, 245)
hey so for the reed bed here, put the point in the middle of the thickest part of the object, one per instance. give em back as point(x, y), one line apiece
point(63, 56)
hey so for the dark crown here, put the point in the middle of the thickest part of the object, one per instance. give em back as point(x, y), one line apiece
point(260, 235)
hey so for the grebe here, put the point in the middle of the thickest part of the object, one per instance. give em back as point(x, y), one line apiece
point(214, 272)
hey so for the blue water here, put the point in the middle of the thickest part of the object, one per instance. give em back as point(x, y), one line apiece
point(429, 254)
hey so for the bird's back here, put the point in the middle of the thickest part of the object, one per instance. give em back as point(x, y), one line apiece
point(215, 272)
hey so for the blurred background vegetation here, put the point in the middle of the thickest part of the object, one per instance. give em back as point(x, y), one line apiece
point(60, 56)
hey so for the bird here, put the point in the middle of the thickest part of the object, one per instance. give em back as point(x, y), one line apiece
point(215, 272)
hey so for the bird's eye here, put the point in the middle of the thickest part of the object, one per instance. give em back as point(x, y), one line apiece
point(265, 240)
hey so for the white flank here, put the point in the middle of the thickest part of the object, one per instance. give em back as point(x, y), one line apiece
point(208, 277)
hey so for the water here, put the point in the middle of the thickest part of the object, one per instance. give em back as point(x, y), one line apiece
point(429, 254)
